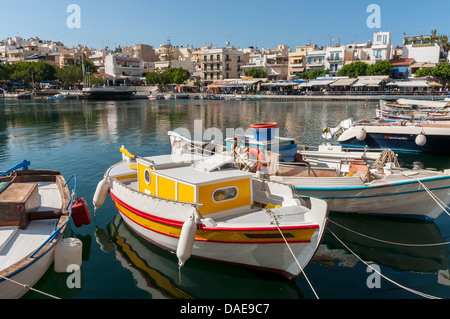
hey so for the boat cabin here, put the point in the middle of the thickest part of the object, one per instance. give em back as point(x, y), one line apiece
point(212, 182)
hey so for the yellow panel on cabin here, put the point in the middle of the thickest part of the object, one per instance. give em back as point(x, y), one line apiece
point(210, 206)
point(186, 193)
point(143, 186)
point(166, 188)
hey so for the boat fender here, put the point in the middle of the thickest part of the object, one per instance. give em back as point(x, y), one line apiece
point(259, 155)
point(68, 255)
point(421, 140)
point(361, 135)
point(100, 193)
point(80, 212)
point(186, 241)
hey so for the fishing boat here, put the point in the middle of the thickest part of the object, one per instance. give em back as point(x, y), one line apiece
point(35, 208)
point(353, 185)
point(414, 110)
point(405, 136)
point(206, 208)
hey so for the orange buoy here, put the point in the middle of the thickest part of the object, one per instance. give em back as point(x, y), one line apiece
point(80, 212)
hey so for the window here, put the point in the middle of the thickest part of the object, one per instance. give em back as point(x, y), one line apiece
point(379, 38)
point(147, 176)
point(385, 39)
point(224, 194)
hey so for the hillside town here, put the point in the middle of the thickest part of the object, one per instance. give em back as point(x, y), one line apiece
point(306, 69)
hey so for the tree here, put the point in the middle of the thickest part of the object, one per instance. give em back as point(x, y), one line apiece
point(256, 73)
point(354, 69)
point(70, 74)
point(440, 73)
point(168, 76)
point(380, 68)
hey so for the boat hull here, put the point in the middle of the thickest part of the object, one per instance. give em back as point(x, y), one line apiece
point(260, 247)
point(27, 274)
point(399, 138)
point(403, 199)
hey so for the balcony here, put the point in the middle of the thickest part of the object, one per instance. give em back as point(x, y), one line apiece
point(335, 60)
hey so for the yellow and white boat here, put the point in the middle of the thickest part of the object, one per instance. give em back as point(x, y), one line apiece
point(206, 208)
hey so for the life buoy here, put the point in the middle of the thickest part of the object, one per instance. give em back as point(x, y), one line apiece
point(259, 155)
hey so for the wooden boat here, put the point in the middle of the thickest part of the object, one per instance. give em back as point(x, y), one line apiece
point(356, 185)
point(206, 208)
point(414, 110)
point(35, 207)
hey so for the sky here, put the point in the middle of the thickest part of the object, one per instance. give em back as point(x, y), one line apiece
point(242, 23)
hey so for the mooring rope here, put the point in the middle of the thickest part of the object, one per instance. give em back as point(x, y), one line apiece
point(28, 287)
point(272, 215)
point(379, 273)
point(385, 241)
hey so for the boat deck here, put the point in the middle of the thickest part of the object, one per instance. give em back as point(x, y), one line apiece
point(17, 243)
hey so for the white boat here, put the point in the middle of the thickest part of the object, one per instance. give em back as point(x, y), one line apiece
point(170, 96)
point(423, 136)
point(353, 185)
point(205, 208)
point(35, 207)
point(60, 96)
point(154, 97)
point(414, 110)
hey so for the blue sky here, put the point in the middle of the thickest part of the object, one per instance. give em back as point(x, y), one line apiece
point(243, 23)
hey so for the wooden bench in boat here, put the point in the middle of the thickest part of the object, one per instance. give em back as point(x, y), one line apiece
point(16, 202)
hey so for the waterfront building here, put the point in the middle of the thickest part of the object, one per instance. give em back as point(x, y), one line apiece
point(423, 49)
point(381, 47)
point(124, 68)
point(315, 59)
point(222, 63)
point(297, 60)
point(335, 57)
point(402, 68)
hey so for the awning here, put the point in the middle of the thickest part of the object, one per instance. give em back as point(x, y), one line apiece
point(399, 70)
point(367, 82)
point(434, 84)
point(320, 82)
point(344, 82)
point(421, 84)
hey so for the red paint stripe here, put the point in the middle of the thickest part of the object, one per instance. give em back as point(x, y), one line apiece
point(175, 223)
point(281, 241)
point(161, 220)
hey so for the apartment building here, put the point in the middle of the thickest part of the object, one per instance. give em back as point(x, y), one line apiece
point(122, 66)
point(381, 47)
point(222, 63)
point(315, 59)
point(297, 59)
point(336, 56)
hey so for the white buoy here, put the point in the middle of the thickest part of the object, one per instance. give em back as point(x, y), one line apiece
point(68, 255)
point(100, 193)
point(421, 140)
point(361, 135)
point(186, 241)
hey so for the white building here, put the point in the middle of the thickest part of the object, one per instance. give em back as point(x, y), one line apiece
point(423, 49)
point(315, 59)
point(381, 47)
point(122, 66)
point(335, 57)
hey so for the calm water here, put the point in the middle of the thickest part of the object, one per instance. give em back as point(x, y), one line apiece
point(84, 137)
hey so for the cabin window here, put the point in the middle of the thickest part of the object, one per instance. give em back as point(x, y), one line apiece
point(224, 194)
point(147, 176)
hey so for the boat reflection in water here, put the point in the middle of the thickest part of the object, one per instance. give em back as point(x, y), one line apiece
point(157, 272)
point(400, 244)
